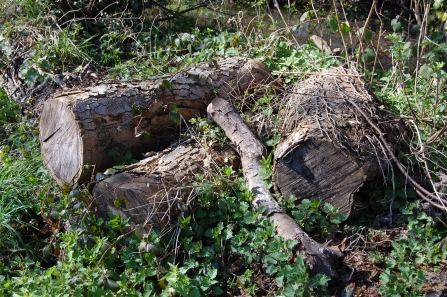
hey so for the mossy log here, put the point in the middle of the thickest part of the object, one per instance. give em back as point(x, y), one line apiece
point(328, 150)
point(81, 129)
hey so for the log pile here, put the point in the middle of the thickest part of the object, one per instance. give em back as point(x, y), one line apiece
point(327, 150)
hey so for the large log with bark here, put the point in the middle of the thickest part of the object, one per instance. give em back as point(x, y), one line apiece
point(154, 192)
point(328, 148)
point(81, 130)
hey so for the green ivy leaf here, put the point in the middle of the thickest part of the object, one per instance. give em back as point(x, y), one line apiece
point(369, 55)
point(30, 75)
point(217, 290)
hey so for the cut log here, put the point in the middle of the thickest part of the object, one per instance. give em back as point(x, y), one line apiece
point(81, 130)
point(318, 258)
point(328, 149)
point(149, 191)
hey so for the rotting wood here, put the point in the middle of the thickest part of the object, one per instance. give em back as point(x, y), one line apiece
point(81, 129)
point(318, 258)
point(328, 150)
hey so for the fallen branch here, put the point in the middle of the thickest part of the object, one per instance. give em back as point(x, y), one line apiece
point(319, 258)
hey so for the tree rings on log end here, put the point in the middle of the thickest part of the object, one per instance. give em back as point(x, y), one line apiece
point(148, 200)
point(61, 142)
point(320, 170)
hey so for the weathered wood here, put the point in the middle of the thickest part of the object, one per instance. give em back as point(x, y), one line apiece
point(318, 258)
point(328, 149)
point(149, 191)
point(79, 129)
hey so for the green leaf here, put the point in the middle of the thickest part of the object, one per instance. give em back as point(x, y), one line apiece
point(175, 117)
point(368, 35)
point(212, 273)
point(185, 221)
point(304, 16)
point(120, 202)
point(174, 108)
point(194, 293)
point(110, 171)
point(217, 290)
point(231, 52)
point(30, 75)
point(43, 63)
point(227, 234)
point(369, 55)
point(345, 29)
point(166, 84)
point(289, 291)
point(437, 4)
point(271, 269)
point(148, 288)
point(442, 15)
point(332, 23)
point(143, 135)
point(396, 25)
point(177, 42)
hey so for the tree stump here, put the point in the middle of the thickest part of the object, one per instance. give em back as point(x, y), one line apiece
point(328, 150)
point(80, 130)
point(149, 191)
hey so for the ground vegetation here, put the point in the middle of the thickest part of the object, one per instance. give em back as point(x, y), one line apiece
point(53, 244)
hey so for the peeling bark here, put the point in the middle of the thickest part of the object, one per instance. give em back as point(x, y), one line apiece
point(318, 258)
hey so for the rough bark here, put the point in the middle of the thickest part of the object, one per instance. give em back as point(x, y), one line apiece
point(328, 149)
point(319, 258)
point(149, 191)
point(79, 129)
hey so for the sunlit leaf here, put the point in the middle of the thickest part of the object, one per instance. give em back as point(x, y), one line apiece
point(345, 29)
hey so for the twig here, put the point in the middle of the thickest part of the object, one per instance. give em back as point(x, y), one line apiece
point(193, 7)
point(317, 73)
point(422, 192)
point(364, 28)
